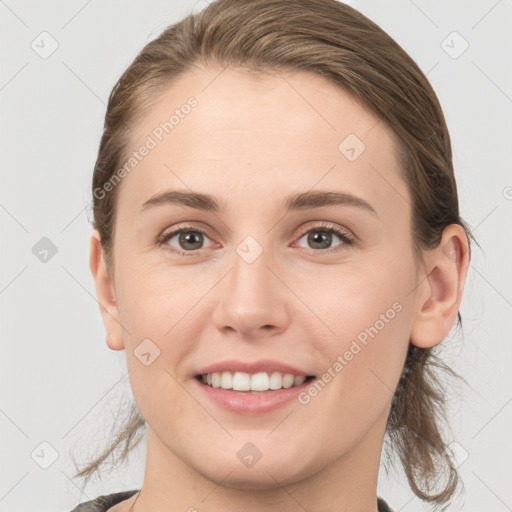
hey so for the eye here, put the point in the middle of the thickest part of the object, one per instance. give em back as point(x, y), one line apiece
point(188, 238)
point(321, 237)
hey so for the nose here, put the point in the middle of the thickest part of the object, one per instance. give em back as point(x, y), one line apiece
point(253, 301)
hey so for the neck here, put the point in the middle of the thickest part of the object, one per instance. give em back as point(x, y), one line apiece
point(348, 483)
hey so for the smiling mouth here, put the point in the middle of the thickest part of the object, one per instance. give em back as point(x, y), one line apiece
point(260, 382)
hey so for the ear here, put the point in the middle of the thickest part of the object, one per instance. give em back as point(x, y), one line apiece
point(440, 292)
point(105, 293)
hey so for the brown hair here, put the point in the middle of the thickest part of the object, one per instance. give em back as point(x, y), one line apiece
point(335, 41)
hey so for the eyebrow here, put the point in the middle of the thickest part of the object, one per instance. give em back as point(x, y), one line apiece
point(301, 201)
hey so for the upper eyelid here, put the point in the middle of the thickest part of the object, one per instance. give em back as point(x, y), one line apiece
point(186, 227)
point(320, 224)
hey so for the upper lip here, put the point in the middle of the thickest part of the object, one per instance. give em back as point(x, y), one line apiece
point(261, 365)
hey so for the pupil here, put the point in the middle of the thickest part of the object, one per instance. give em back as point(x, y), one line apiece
point(323, 235)
point(189, 236)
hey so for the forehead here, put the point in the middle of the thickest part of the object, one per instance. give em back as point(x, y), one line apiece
point(237, 98)
point(226, 130)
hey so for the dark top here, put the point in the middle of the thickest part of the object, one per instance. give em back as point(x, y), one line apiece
point(103, 503)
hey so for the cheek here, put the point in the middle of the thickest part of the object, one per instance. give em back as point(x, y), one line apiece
point(163, 325)
point(350, 300)
point(159, 299)
point(368, 312)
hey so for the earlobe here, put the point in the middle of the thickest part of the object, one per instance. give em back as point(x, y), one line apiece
point(440, 293)
point(105, 293)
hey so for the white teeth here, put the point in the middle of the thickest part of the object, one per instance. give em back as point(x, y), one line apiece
point(226, 380)
point(299, 380)
point(241, 381)
point(276, 380)
point(262, 381)
point(216, 380)
point(259, 382)
point(288, 380)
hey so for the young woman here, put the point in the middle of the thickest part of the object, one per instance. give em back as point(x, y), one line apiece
point(277, 246)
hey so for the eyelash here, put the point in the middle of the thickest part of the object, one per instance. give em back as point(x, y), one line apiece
point(325, 227)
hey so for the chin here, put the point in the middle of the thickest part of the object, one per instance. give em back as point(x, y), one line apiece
point(272, 473)
point(254, 480)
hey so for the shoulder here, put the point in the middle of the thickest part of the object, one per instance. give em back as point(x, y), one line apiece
point(103, 503)
point(383, 506)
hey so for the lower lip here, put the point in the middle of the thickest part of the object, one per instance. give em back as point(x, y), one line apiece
point(256, 402)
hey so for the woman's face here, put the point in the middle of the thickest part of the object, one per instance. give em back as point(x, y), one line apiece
point(262, 285)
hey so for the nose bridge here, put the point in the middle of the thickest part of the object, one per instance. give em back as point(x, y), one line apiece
point(251, 297)
point(250, 274)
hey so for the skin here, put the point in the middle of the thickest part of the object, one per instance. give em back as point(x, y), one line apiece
point(251, 141)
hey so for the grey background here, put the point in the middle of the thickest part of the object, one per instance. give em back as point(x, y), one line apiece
point(61, 384)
